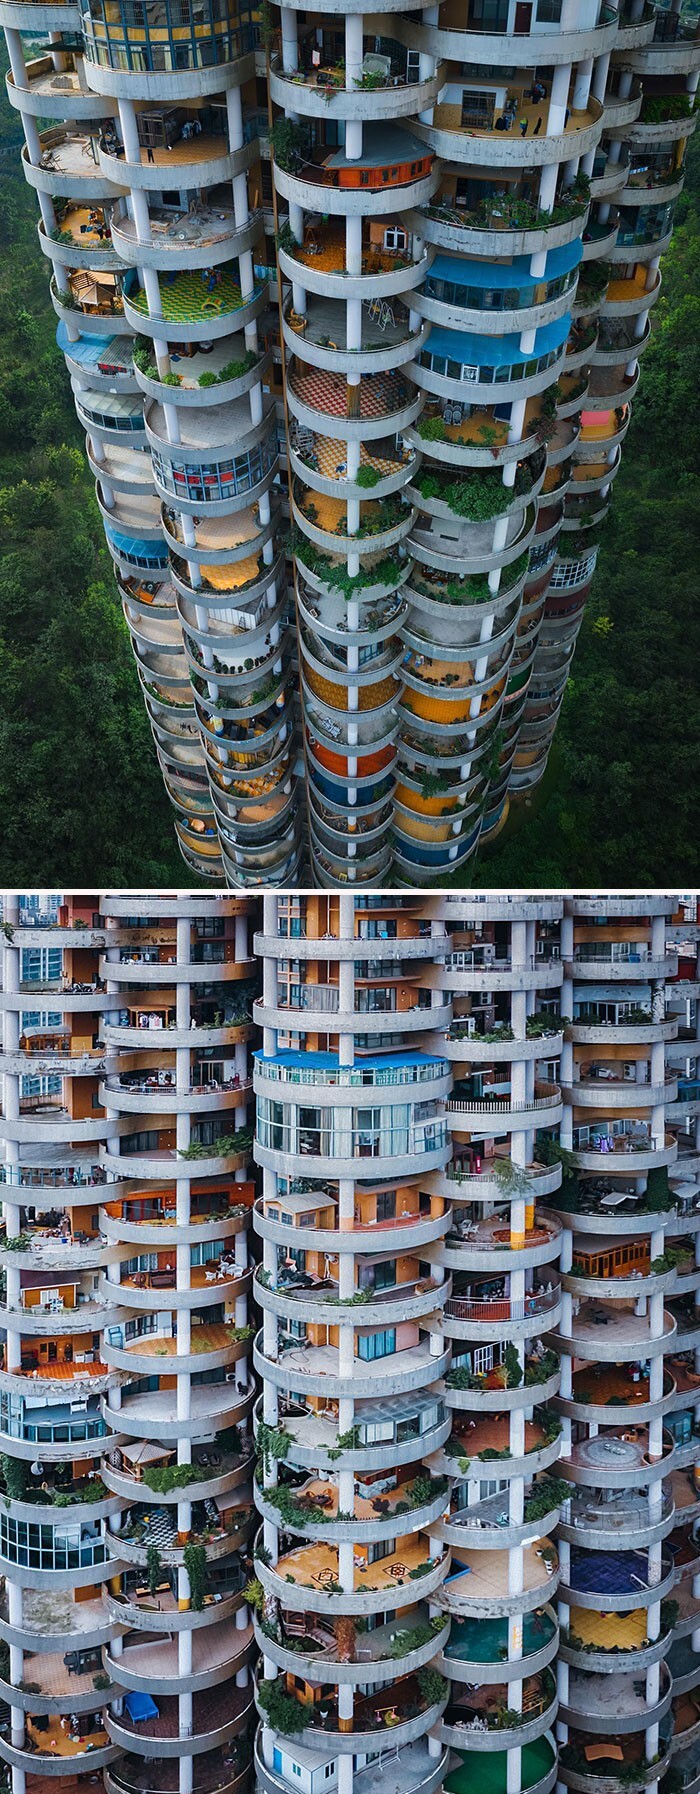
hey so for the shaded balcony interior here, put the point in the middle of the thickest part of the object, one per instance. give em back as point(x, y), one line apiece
point(401, 1701)
point(174, 136)
point(482, 1708)
point(224, 1579)
point(614, 1385)
point(385, 249)
point(488, 1436)
point(212, 1770)
point(54, 1736)
point(213, 1709)
point(507, 106)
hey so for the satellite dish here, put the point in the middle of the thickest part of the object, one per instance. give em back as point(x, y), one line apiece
point(37, 1469)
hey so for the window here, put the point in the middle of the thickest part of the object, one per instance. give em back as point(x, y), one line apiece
point(377, 1345)
point(395, 237)
point(548, 12)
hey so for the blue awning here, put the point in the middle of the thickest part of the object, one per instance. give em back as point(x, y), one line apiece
point(466, 273)
point(135, 548)
point(329, 1061)
point(496, 351)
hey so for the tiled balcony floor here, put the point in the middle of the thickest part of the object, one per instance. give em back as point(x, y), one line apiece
point(604, 1383)
point(312, 1566)
point(379, 394)
point(484, 1574)
point(607, 1631)
point(325, 250)
point(50, 1675)
point(211, 1708)
point(492, 1432)
point(219, 532)
point(212, 1646)
point(52, 1612)
point(184, 297)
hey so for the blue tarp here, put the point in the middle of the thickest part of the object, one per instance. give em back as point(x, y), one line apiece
point(517, 273)
point(496, 351)
point(140, 1706)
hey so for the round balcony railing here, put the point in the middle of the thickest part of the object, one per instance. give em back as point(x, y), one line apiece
point(504, 1308)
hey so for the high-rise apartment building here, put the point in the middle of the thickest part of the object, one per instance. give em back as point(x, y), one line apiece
point(462, 221)
point(403, 1191)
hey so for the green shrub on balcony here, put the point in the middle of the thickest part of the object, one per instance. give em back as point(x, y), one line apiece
point(545, 1497)
point(433, 1686)
point(15, 1476)
point(290, 144)
point(273, 1444)
point(194, 1558)
point(658, 109)
point(403, 1643)
point(513, 1367)
point(367, 476)
point(284, 1712)
point(539, 1370)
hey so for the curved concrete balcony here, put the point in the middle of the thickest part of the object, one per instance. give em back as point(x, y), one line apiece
point(229, 1473)
point(479, 1583)
point(317, 467)
point(147, 1095)
point(217, 360)
point(217, 1281)
point(486, 1186)
point(350, 1021)
point(485, 1526)
point(41, 15)
point(44, 1252)
point(631, 1594)
point(201, 162)
point(214, 1346)
point(404, 1234)
point(468, 1317)
point(668, 130)
point(320, 335)
point(319, 400)
point(52, 1126)
point(622, 1032)
point(215, 1406)
point(609, 1704)
point(639, 965)
point(482, 148)
point(233, 65)
point(320, 186)
point(620, 1338)
point(463, 558)
point(189, 313)
point(616, 1460)
point(229, 1538)
point(463, 232)
point(360, 1529)
point(219, 1714)
point(218, 1653)
point(43, 1322)
point(461, 1045)
point(500, 1115)
point(85, 1759)
point(625, 1520)
point(50, 94)
point(530, 314)
point(596, 1092)
point(642, 1156)
point(370, 1719)
point(376, 1657)
point(466, 973)
point(624, 1397)
point(308, 96)
point(68, 163)
point(81, 1697)
point(97, 253)
point(331, 532)
point(196, 240)
point(139, 1612)
point(425, 1079)
point(475, 1653)
point(313, 1441)
point(408, 1303)
point(384, 274)
point(470, 1732)
point(316, 1371)
point(301, 1579)
point(486, 1440)
point(628, 298)
point(617, 1656)
point(483, 1399)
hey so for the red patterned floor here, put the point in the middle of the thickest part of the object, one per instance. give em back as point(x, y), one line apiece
point(379, 394)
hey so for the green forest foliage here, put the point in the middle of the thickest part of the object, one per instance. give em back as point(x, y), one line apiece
point(621, 807)
point(81, 795)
